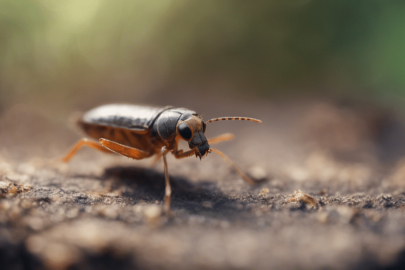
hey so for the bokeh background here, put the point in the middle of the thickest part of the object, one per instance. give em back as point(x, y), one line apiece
point(326, 77)
point(63, 55)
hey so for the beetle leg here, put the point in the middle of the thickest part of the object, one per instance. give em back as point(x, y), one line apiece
point(123, 149)
point(168, 189)
point(80, 144)
point(227, 159)
point(221, 138)
point(180, 154)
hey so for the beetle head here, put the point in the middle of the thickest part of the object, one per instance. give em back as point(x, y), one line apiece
point(192, 130)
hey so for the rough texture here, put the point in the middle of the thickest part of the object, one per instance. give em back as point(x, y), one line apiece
point(333, 196)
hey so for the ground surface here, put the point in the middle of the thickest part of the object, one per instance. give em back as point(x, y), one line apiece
point(103, 211)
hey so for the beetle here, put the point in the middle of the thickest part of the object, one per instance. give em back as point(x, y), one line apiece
point(139, 132)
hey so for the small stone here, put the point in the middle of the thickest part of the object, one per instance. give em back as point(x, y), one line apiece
point(264, 191)
point(276, 183)
point(4, 185)
point(224, 224)
point(196, 219)
point(323, 192)
point(26, 168)
point(15, 213)
point(59, 256)
point(25, 188)
point(35, 223)
point(299, 196)
point(5, 168)
point(72, 213)
point(259, 213)
point(207, 204)
point(4, 205)
point(13, 189)
point(323, 217)
point(257, 173)
point(152, 212)
point(35, 244)
point(109, 212)
point(138, 208)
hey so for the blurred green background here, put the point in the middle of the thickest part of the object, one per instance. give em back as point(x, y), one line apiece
point(71, 54)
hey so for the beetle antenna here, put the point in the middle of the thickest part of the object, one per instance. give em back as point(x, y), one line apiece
point(233, 118)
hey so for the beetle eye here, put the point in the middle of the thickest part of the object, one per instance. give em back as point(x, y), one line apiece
point(185, 131)
point(204, 126)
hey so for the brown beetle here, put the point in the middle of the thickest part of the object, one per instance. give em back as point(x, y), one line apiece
point(140, 132)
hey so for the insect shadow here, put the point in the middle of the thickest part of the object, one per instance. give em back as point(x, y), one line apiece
point(147, 185)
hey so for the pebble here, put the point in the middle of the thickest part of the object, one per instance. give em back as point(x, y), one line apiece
point(264, 191)
point(257, 173)
point(302, 197)
point(207, 204)
point(152, 212)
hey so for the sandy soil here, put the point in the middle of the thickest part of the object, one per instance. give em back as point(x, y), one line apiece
point(332, 197)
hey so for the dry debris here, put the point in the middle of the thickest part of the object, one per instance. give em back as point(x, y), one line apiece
point(9, 188)
point(299, 196)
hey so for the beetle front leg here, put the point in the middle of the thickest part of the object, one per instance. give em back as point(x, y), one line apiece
point(180, 154)
point(168, 189)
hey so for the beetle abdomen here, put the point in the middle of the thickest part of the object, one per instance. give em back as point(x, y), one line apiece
point(123, 116)
point(133, 138)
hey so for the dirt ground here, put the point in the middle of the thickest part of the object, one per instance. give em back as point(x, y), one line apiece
point(332, 194)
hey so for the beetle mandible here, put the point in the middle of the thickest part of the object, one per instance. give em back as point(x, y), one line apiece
point(140, 132)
